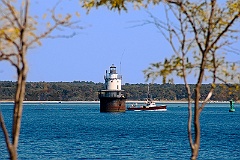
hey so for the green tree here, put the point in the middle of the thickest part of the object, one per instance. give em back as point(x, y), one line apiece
point(199, 32)
point(18, 32)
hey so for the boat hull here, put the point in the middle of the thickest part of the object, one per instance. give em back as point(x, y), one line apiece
point(143, 108)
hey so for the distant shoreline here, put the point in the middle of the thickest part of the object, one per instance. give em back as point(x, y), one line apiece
point(96, 102)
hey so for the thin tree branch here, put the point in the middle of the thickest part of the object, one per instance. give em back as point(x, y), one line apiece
point(10, 40)
point(209, 29)
point(224, 31)
point(8, 58)
point(12, 13)
point(5, 132)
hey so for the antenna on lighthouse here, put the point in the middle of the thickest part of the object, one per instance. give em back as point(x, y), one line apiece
point(121, 62)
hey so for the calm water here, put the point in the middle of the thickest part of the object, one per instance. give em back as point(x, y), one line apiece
point(80, 131)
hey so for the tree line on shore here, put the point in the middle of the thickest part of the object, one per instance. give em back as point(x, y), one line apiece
point(88, 91)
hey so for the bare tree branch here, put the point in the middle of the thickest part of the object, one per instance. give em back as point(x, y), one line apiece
point(13, 13)
point(5, 132)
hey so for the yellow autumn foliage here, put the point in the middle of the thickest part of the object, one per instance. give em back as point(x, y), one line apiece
point(10, 33)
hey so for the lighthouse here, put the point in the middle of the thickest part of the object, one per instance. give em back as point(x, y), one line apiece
point(112, 98)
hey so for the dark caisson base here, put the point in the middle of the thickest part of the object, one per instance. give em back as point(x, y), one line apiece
point(112, 104)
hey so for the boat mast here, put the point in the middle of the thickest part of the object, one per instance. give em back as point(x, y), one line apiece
point(148, 94)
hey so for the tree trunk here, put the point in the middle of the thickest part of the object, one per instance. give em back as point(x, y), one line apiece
point(195, 147)
point(18, 106)
point(13, 153)
point(195, 152)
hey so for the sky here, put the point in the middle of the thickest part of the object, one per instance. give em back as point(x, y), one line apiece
point(107, 38)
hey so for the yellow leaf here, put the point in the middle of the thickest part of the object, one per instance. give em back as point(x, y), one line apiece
point(48, 24)
point(77, 14)
point(44, 16)
point(59, 15)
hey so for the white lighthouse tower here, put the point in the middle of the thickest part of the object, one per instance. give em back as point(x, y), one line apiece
point(112, 98)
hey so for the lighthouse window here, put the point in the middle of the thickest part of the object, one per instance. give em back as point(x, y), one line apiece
point(111, 81)
point(117, 86)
